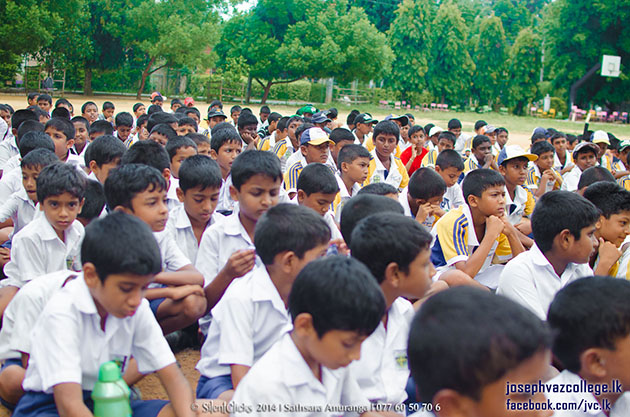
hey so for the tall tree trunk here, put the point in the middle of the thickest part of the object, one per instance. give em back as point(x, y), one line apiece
point(145, 74)
point(248, 91)
point(87, 82)
point(266, 94)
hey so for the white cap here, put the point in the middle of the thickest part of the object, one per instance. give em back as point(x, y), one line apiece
point(435, 130)
point(514, 151)
point(599, 136)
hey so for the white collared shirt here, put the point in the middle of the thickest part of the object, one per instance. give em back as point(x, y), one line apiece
point(530, 280)
point(515, 209)
point(382, 371)
point(283, 377)
point(20, 208)
point(172, 202)
point(298, 157)
point(571, 179)
point(460, 143)
point(173, 259)
point(37, 250)
point(246, 322)
point(344, 196)
point(81, 156)
point(453, 198)
point(621, 408)
point(23, 311)
point(13, 162)
point(10, 183)
point(225, 199)
point(558, 165)
point(77, 356)
point(8, 148)
point(182, 233)
point(394, 176)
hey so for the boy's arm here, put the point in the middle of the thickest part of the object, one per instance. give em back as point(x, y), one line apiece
point(178, 390)
point(8, 209)
point(494, 227)
point(238, 372)
point(27, 261)
point(239, 263)
point(187, 275)
point(69, 400)
point(174, 293)
point(513, 236)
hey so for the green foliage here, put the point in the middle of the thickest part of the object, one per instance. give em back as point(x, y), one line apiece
point(524, 70)
point(380, 13)
point(449, 75)
point(490, 61)
point(559, 104)
point(514, 16)
point(318, 93)
point(408, 39)
point(296, 91)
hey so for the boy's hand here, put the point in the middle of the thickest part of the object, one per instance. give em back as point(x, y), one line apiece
point(608, 253)
point(5, 256)
point(248, 137)
point(342, 248)
point(182, 291)
point(240, 263)
point(423, 212)
point(488, 160)
point(494, 227)
point(547, 176)
point(437, 211)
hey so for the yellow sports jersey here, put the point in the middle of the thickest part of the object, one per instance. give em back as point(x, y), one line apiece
point(292, 175)
point(533, 179)
point(430, 158)
point(369, 144)
point(618, 165)
point(263, 145)
point(471, 164)
point(283, 150)
point(396, 176)
point(606, 162)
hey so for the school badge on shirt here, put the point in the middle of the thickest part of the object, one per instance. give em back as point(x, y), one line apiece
point(400, 357)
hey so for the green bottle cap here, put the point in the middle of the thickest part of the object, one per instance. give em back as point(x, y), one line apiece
point(109, 372)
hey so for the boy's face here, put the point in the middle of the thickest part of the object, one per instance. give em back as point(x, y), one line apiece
point(102, 172)
point(62, 144)
point(203, 148)
point(545, 161)
point(502, 138)
point(108, 113)
point(150, 207)
point(199, 203)
point(32, 101)
point(602, 149)
point(457, 131)
point(385, 144)
point(181, 155)
point(336, 348)
point(264, 117)
point(175, 106)
point(140, 111)
point(248, 133)
point(623, 155)
point(194, 116)
point(29, 181)
point(91, 113)
point(44, 105)
point(81, 134)
point(417, 139)
point(159, 138)
point(226, 156)
point(320, 202)
point(123, 132)
point(404, 133)
point(586, 160)
point(61, 210)
point(582, 248)
point(444, 144)
point(514, 171)
point(560, 145)
point(491, 202)
point(6, 115)
point(315, 153)
point(417, 280)
point(364, 128)
point(44, 118)
point(158, 102)
point(183, 130)
point(94, 135)
point(143, 133)
point(235, 115)
point(357, 170)
point(257, 195)
point(616, 228)
point(482, 151)
point(215, 121)
point(450, 175)
point(292, 128)
point(617, 362)
point(334, 150)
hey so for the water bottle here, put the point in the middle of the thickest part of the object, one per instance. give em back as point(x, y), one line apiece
point(111, 393)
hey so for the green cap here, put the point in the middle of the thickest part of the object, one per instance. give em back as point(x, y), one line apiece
point(309, 108)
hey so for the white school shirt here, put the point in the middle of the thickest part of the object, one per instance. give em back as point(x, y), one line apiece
point(246, 322)
point(77, 161)
point(37, 250)
point(173, 259)
point(394, 176)
point(624, 261)
point(571, 179)
point(530, 280)
point(20, 208)
point(558, 165)
point(550, 184)
point(225, 200)
point(172, 202)
point(283, 377)
point(77, 356)
point(8, 148)
point(621, 408)
point(181, 231)
point(453, 198)
point(11, 182)
point(329, 218)
point(23, 311)
point(344, 196)
point(13, 162)
point(382, 371)
point(298, 157)
point(515, 209)
point(460, 143)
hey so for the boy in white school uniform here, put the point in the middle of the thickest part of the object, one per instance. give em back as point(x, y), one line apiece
point(353, 162)
point(384, 166)
point(334, 305)
point(252, 314)
point(103, 316)
point(584, 157)
point(225, 146)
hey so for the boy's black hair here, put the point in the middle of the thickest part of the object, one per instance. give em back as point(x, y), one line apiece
point(61, 101)
point(283, 123)
point(295, 119)
point(126, 181)
point(501, 130)
point(222, 136)
point(93, 202)
point(301, 129)
point(537, 136)
point(571, 138)
point(542, 147)
point(188, 110)
point(253, 162)
point(351, 116)
point(160, 117)
point(62, 124)
point(40, 113)
point(58, 178)
point(383, 238)
point(449, 158)
point(595, 174)
point(154, 109)
point(81, 119)
point(274, 117)
point(589, 313)
point(361, 206)
point(235, 108)
point(288, 227)
point(198, 138)
point(60, 112)
point(104, 150)
point(479, 140)
point(188, 121)
point(445, 134)
point(246, 119)
point(102, 126)
point(557, 135)
point(86, 104)
point(479, 180)
point(317, 178)
point(340, 294)
point(427, 128)
point(28, 126)
point(221, 126)
point(265, 110)
point(165, 130)
point(34, 140)
point(387, 127)
point(175, 101)
point(199, 171)
point(142, 119)
point(108, 105)
point(111, 245)
point(425, 183)
point(338, 134)
point(177, 143)
point(20, 116)
point(378, 188)
point(479, 124)
point(586, 149)
point(558, 210)
point(123, 119)
point(415, 128)
point(45, 97)
point(454, 124)
point(149, 153)
point(216, 103)
point(351, 152)
point(40, 157)
point(461, 340)
point(608, 197)
point(137, 106)
point(32, 95)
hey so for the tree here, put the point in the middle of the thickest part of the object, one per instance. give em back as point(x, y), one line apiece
point(490, 60)
point(408, 40)
point(171, 33)
point(524, 69)
point(380, 13)
point(450, 68)
point(514, 16)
